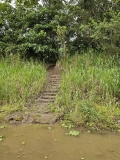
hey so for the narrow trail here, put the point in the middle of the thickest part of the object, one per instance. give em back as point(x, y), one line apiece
point(50, 90)
point(38, 110)
point(48, 95)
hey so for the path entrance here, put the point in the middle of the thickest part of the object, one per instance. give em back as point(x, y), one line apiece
point(38, 110)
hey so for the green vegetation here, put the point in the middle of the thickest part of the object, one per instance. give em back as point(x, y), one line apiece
point(73, 133)
point(3, 127)
point(56, 30)
point(1, 138)
point(90, 90)
point(23, 143)
point(53, 29)
point(19, 81)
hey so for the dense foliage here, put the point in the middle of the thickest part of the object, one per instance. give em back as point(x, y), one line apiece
point(90, 90)
point(20, 81)
point(48, 30)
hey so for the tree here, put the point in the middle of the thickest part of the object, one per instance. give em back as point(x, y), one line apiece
point(39, 31)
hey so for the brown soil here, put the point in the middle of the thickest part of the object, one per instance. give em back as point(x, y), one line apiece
point(38, 110)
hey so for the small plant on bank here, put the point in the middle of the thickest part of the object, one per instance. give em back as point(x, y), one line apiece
point(73, 133)
point(3, 127)
point(67, 124)
point(23, 143)
point(1, 138)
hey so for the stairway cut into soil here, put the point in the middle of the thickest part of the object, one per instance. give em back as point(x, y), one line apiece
point(39, 109)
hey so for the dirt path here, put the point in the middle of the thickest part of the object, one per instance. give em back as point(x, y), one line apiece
point(39, 109)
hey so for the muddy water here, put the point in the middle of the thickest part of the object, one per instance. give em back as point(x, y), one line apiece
point(43, 142)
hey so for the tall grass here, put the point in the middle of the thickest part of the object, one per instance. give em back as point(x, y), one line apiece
point(90, 89)
point(19, 80)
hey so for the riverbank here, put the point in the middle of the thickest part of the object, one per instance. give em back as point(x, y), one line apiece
point(88, 93)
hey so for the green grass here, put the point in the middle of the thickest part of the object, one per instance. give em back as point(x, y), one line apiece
point(19, 81)
point(90, 90)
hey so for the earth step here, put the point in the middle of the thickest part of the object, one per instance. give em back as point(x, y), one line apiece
point(49, 93)
point(49, 88)
point(56, 79)
point(46, 100)
point(52, 90)
point(48, 97)
point(53, 81)
point(53, 76)
point(53, 85)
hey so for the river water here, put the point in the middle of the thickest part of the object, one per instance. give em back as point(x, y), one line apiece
point(40, 142)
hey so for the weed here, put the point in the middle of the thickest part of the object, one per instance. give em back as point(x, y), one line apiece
point(23, 143)
point(49, 128)
point(73, 133)
point(67, 124)
point(3, 127)
point(1, 138)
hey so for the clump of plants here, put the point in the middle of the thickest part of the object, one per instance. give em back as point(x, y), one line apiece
point(73, 133)
point(3, 127)
point(90, 90)
point(1, 138)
